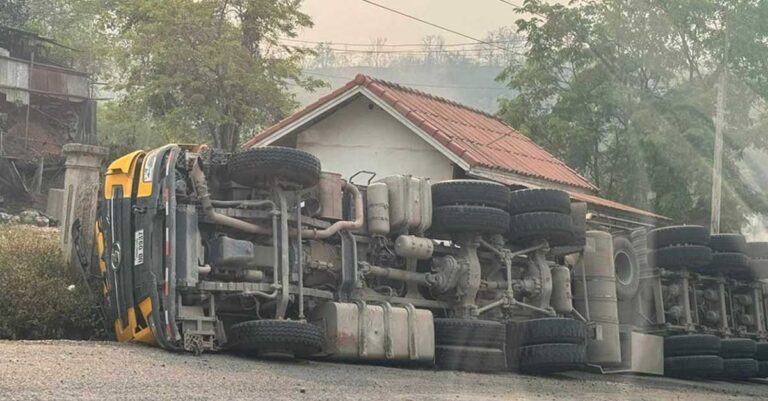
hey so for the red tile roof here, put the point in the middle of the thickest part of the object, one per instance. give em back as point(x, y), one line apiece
point(478, 138)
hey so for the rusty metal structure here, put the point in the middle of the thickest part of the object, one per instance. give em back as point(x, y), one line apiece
point(44, 104)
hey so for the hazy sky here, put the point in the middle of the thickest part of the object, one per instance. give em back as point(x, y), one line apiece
point(359, 22)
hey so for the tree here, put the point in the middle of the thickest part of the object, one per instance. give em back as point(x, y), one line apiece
point(623, 91)
point(13, 13)
point(210, 66)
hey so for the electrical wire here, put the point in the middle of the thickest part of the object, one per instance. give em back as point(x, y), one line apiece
point(330, 42)
point(426, 85)
point(432, 24)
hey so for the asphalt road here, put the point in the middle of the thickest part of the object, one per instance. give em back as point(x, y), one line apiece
point(62, 370)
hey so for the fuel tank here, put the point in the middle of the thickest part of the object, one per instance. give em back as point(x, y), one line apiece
point(377, 332)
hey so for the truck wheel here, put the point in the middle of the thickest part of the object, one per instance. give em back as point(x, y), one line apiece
point(539, 200)
point(728, 243)
point(691, 344)
point(461, 218)
point(693, 366)
point(552, 358)
point(761, 351)
point(757, 250)
point(627, 269)
point(552, 330)
point(674, 257)
point(276, 337)
point(762, 369)
point(678, 235)
point(740, 368)
point(738, 348)
point(759, 268)
point(251, 167)
point(557, 228)
point(731, 263)
point(470, 333)
point(470, 359)
point(470, 192)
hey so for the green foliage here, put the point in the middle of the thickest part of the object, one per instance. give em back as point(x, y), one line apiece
point(624, 92)
point(13, 13)
point(208, 66)
point(35, 302)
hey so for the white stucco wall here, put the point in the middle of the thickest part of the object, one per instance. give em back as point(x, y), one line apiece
point(356, 138)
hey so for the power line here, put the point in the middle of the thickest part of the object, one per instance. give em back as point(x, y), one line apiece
point(410, 51)
point(426, 85)
point(430, 23)
point(521, 40)
point(511, 4)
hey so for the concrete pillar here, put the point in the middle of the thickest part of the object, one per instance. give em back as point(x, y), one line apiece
point(81, 191)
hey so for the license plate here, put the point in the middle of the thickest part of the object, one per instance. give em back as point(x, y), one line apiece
point(138, 246)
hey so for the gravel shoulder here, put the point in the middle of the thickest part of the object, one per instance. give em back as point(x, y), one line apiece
point(61, 370)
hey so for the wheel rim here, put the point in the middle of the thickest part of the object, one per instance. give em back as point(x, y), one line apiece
point(623, 267)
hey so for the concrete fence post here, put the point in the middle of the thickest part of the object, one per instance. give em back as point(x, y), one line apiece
point(81, 191)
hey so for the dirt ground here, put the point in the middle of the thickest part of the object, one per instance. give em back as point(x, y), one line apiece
point(61, 370)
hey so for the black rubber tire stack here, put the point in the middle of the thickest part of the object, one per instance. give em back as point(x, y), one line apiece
point(253, 167)
point(547, 345)
point(470, 345)
point(679, 247)
point(692, 355)
point(739, 358)
point(761, 355)
point(469, 206)
point(758, 259)
point(729, 256)
point(276, 337)
point(540, 214)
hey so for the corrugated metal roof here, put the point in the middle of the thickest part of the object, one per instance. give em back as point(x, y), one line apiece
point(480, 139)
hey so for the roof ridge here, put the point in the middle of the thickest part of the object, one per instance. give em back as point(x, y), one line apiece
point(402, 87)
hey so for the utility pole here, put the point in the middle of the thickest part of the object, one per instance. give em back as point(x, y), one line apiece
point(720, 112)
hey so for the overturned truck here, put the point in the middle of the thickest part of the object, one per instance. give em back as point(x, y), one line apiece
point(260, 252)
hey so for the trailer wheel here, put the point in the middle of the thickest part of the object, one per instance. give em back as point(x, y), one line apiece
point(693, 366)
point(461, 218)
point(762, 369)
point(251, 167)
point(731, 263)
point(675, 257)
point(552, 358)
point(470, 333)
point(728, 243)
point(470, 359)
point(759, 268)
point(738, 348)
point(552, 330)
point(740, 368)
point(284, 337)
point(470, 192)
point(557, 228)
point(627, 268)
point(678, 235)
point(761, 351)
point(691, 344)
point(757, 250)
point(539, 200)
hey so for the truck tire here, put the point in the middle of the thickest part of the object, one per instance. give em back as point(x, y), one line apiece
point(759, 268)
point(738, 348)
point(693, 366)
point(678, 235)
point(470, 333)
point(691, 344)
point(740, 368)
point(539, 200)
point(276, 336)
point(627, 269)
point(675, 257)
point(552, 358)
point(552, 330)
point(757, 250)
point(557, 228)
point(761, 351)
point(461, 218)
point(762, 369)
point(470, 359)
point(250, 167)
point(728, 243)
point(470, 192)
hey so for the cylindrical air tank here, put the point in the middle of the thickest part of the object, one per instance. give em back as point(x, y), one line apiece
point(378, 208)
